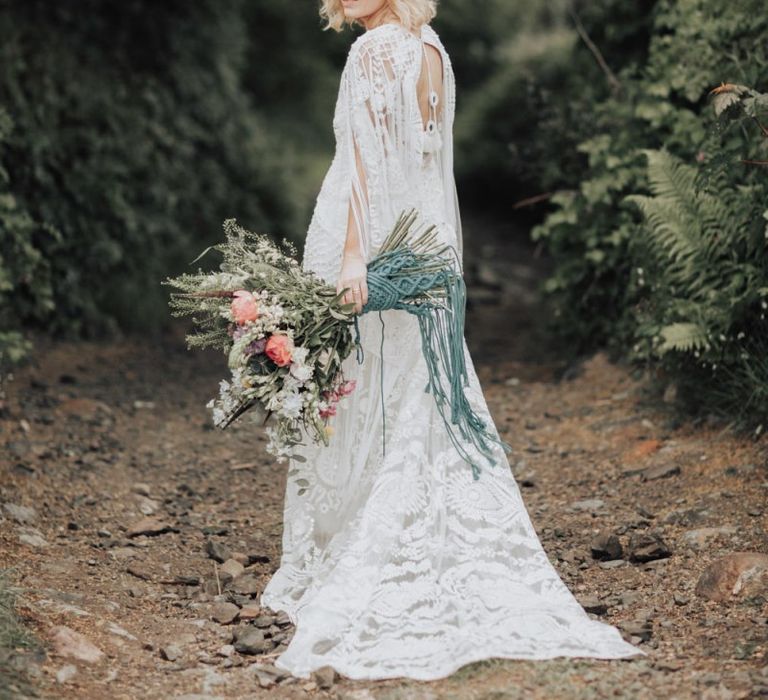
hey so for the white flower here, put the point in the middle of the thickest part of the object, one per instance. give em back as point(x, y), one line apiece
point(299, 354)
point(292, 405)
point(302, 372)
point(291, 384)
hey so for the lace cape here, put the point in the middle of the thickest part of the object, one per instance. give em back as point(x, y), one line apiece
point(382, 140)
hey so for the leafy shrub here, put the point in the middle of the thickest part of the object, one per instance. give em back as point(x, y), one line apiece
point(704, 274)
point(535, 93)
point(26, 291)
point(660, 105)
point(134, 140)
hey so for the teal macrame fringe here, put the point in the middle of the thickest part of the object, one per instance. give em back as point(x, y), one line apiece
point(406, 279)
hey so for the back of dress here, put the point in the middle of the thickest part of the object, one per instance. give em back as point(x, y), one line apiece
point(395, 561)
point(386, 159)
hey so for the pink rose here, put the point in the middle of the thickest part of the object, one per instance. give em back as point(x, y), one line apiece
point(244, 307)
point(328, 412)
point(279, 349)
point(346, 388)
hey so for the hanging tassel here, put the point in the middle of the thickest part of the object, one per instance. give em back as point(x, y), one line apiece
point(415, 277)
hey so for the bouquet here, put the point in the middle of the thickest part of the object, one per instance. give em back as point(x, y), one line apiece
point(286, 332)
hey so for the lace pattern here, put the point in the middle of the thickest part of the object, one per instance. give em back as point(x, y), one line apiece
point(395, 561)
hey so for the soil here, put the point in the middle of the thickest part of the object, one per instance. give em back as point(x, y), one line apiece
point(97, 436)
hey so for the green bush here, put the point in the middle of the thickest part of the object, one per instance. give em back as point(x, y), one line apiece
point(536, 94)
point(703, 284)
point(134, 139)
point(26, 290)
point(661, 104)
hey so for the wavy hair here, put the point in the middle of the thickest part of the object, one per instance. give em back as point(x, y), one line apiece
point(411, 13)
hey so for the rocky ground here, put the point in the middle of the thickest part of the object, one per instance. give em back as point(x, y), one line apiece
point(139, 537)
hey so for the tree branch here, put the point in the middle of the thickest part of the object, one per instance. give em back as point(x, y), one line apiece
point(609, 74)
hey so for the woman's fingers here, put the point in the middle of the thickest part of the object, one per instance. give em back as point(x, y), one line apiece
point(357, 292)
point(356, 296)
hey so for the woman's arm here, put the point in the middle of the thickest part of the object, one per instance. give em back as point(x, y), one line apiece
point(353, 274)
point(367, 141)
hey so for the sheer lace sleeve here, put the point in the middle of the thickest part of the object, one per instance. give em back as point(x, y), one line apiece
point(377, 137)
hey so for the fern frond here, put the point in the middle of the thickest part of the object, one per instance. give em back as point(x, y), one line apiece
point(684, 337)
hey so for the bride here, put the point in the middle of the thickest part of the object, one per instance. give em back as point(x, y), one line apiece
point(396, 561)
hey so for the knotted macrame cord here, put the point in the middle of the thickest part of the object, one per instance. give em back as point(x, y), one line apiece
point(395, 278)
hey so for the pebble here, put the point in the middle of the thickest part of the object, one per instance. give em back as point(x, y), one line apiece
point(24, 515)
point(589, 504)
point(687, 516)
point(257, 559)
point(115, 629)
point(662, 472)
point(224, 613)
point(216, 551)
point(629, 598)
point(267, 675)
point(32, 537)
point(668, 665)
point(215, 530)
point(606, 546)
point(250, 640)
point(141, 489)
point(325, 677)
point(66, 673)
point(147, 506)
point(140, 571)
point(148, 526)
point(742, 574)
point(69, 643)
point(700, 538)
point(647, 546)
point(250, 612)
point(641, 629)
point(613, 564)
point(232, 567)
point(264, 621)
point(221, 581)
point(593, 605)
point(246, 585)
point(170, 652)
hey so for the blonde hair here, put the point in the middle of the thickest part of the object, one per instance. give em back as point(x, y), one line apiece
point(411, 13)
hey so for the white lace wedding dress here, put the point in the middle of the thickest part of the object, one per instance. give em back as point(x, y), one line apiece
point(396, 562)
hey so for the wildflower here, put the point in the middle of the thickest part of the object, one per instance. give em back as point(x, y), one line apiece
point(279, 348)
point(244, 307)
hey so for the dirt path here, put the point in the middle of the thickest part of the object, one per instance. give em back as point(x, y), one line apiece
point(97, 438)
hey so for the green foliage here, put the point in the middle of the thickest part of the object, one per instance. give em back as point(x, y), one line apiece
point(661, 103)
point(134, 139)
point(704, 284)
point(683, 286)
point(26, 290)
point(522, 113)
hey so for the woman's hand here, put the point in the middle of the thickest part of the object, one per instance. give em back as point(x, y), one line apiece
point(353, 275)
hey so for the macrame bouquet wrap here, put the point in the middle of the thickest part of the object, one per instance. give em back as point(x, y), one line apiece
point(286, 333)
point(417, 275)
